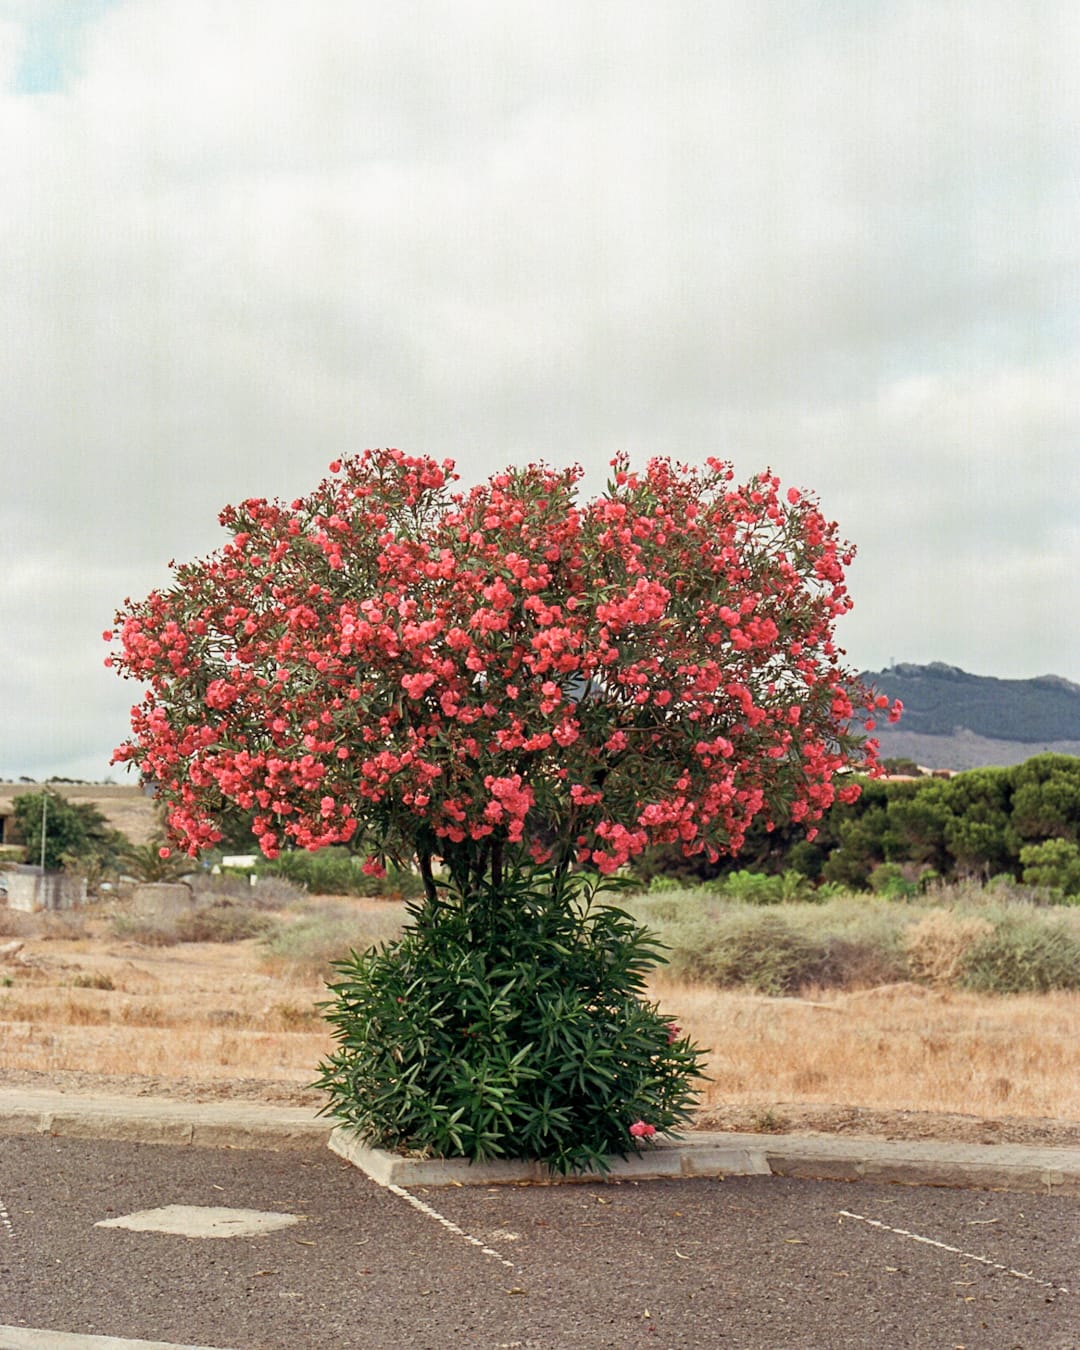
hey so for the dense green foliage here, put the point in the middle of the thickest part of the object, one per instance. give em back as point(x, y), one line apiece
point(338, 871)
point(75, 832)
point(1022, 822)
point(496, 1029)
point(152, 862)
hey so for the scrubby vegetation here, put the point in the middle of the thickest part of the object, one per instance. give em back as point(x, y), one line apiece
point(220, 921)
point(309, 946)
point(986, 939)
point(338, 871)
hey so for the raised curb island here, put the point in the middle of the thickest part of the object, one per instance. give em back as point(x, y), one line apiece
point(696, 1156)
point(255, 1125)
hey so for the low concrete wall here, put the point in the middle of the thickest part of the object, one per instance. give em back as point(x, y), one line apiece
point(29, 890)
point(158, 899)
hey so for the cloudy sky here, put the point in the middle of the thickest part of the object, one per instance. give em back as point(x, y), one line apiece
point(239, 237)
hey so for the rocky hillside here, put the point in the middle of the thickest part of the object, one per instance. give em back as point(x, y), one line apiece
point(955, 720)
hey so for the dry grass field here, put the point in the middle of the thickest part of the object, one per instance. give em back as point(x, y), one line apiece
point(125, 807)
point(85, 1006)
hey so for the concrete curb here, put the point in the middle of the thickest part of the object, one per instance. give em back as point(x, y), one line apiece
point(253, 1125)
point(694, 1157)
point(154, 1120)
point(1010, 1167)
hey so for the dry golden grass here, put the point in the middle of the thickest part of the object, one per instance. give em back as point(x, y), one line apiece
point(197, 1010)
point(901, 1048)
point(124, 806)
point(214, 1013)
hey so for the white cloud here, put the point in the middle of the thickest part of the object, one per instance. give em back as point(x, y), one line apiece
point(241, 239)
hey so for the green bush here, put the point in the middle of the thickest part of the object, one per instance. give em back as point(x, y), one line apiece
point(336, 871)
point(1025, 953)
point(508, 1024)
point(891, 881)
point(1054, 864)
point(312, 944)
point(762, 888)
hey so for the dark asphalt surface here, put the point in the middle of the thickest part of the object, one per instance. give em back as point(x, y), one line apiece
point(746, 1262)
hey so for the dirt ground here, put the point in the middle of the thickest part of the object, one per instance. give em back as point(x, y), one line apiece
point(85, 1012)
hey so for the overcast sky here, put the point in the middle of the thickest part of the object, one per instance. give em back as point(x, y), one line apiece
point(239, 237)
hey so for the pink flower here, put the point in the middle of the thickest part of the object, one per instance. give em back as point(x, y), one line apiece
point(674, 1031)
point(639, 1130)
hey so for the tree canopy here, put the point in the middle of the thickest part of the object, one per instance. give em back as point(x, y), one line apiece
point(74, 831)
point(504, 673)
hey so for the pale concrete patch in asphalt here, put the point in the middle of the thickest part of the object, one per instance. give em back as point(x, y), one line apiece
point(202, 1221)
point(32, 1338)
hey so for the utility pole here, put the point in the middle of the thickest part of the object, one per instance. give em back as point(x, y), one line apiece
point(44, 818)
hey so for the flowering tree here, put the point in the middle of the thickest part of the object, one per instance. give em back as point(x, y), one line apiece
point(504, 673)
point(511, 681)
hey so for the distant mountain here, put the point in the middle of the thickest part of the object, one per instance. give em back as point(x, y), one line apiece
point(956, 720)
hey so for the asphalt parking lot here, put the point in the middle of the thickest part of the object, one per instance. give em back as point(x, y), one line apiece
point(754, 1261)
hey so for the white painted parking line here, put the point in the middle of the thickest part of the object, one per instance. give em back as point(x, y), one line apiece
point(202, 1221)
point(448, 1224)
point(956, 1251)
point(5, 1220)
point(32, 1338)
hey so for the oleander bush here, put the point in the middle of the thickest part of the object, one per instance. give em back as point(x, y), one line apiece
point(493, 1029)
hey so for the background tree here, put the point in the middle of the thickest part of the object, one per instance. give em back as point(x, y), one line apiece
point(1055, 864)
point(153, 861)
point(74, 831)
point(978, 827)
point(1046, 798)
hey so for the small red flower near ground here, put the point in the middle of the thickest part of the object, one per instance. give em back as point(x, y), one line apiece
point(640, 1130)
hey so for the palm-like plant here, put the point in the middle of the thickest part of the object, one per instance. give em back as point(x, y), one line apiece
point(153, 861)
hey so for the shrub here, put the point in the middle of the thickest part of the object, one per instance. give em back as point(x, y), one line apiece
point(269, 892)
point(891, 881)
point(97, 981)
point(764, 952)
point(511, 1024)
point(939, 945)
point(311, 945)
point(1024, 954)
point(336, 871)
point(220, 922)
point(861, 961)
point(750, 888)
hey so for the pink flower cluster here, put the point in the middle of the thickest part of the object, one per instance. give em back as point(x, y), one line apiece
point(640, 1130)
point(389, 660)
